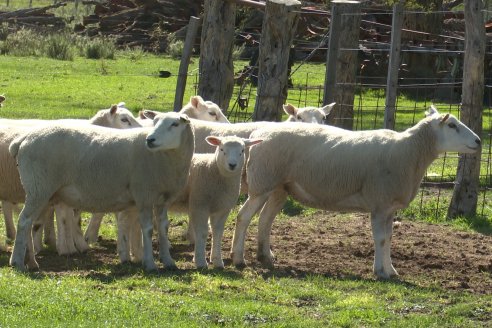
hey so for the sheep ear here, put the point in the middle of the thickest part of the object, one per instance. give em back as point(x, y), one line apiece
point(214, 141)
point(113, 109)
point(432, 110)
point(184, 118)
point(195, 100)
point(251, 142)
point(289, 109)
point(327, 109)
point(141, 115)
point(444, 118)
point(148, 114)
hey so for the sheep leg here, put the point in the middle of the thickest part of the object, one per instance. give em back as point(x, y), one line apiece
point(124, 221)
point(387, 263)
point(78, 236)
point(37, 229)
point(381, 231)
point(135, 234)
point(273, 205)
point(8, 216)
point(64, 241)
point(145, 219)
point(249, 208)
point(49, 228)
point(164, 245)
point(32, 210)
point(199, 222)
point(92, 232)
point(217, 222)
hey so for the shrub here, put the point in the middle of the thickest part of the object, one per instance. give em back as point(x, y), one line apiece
point(4, 31)
point(100, 48)
point(60, 46)
point(24, 42)
point(175, 48)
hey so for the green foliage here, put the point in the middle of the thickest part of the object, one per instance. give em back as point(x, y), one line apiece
point(100, 48)
point(4, 31)
point(175, 47)
point(23, 42)
point(60, 46)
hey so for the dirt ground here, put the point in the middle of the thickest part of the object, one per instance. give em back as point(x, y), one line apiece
point(334, 245)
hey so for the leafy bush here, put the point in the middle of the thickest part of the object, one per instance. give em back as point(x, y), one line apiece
point(175, 48)
point(60, 46)
point(4, 31)
point(100, 48)
point(24, 42)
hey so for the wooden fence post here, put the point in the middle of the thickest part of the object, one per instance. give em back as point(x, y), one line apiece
point(341, 61)
point(467, 187)
point(191, 31)
point(217, 40)
point(278, 30)
point(393, 67)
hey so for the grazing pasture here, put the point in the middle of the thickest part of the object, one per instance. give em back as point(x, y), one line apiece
point(323, 274)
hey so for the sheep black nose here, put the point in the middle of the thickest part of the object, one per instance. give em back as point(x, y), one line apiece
point(478, 141)
point(232, 166)
point(150, 142)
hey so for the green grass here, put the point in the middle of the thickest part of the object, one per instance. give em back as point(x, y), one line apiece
point(230, 298)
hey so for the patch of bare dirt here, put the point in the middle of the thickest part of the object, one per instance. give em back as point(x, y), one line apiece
point(327, 244)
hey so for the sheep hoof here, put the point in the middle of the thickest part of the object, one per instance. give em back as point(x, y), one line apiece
point(172, 267)
point(265, 261)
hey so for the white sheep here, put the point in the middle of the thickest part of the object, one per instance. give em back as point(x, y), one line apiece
point(334, 169)
point(200, 109)
point(70, 236)
point(211, 192)
point(104, 170)
point(308, 114)
point(204, 128)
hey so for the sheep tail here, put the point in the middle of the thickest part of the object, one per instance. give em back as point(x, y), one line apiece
point(15, 145)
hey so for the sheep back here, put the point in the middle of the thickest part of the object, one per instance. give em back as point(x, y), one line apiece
point(335, 169)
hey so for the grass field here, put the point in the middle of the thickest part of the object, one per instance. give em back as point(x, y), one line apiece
point(123, 295)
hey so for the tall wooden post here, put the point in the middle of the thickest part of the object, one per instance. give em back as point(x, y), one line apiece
point(466, 189)
point(191, 31)
point(217, 40)
point(279, 28)
point(393, 67)
point(341, 61)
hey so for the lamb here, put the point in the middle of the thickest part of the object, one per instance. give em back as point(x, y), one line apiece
point(333, 169)
point(117, 116)
point(211, 192)
point(145, 168)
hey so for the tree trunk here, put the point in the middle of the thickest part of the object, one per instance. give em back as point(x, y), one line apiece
point(217, 40)
point(279, 26)
point(465, 194)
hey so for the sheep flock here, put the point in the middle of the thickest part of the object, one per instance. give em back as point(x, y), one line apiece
point(196, 162)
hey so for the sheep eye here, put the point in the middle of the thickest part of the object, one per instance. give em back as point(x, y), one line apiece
point(212, 114)
point(125, 120)
point(299, 117)
point(175, 124)
point(452, 125)
point(221, 149)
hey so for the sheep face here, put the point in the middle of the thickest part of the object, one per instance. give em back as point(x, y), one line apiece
point(120, 117)
point(167, 131)
point(206, 110)
point(229, 154)
point(453, 135)
point(314, 115)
